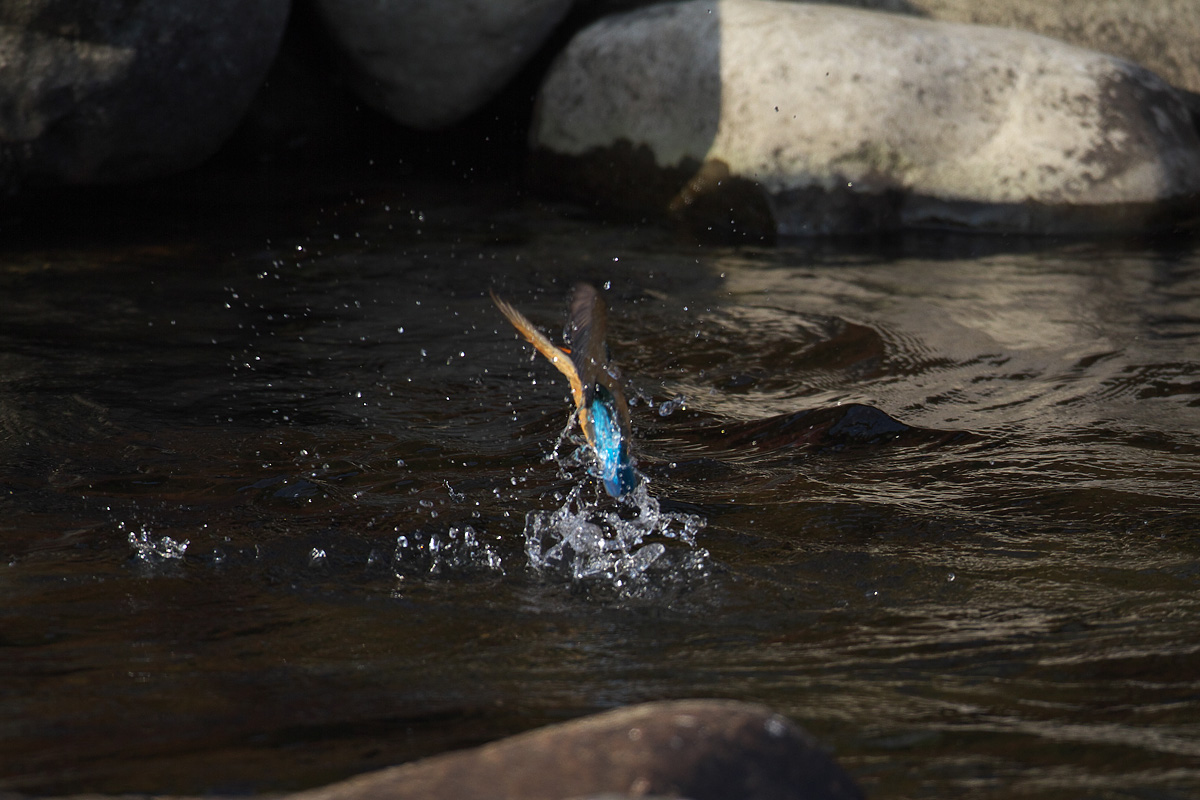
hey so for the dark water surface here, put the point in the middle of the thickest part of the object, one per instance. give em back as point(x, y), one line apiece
point(264, 493)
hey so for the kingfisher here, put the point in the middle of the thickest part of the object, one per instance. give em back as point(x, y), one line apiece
point(595, 383)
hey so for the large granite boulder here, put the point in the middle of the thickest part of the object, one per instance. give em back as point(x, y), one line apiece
point(102, 92)
point(430, 63)
point(771, 118)
point(698, 749)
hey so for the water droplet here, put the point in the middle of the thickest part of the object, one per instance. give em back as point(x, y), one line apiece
point(669, 407)
point(776, 726)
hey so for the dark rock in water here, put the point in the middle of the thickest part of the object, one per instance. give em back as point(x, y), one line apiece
point(853, 424)
point(867, 424)
point(763, 119)
point(699, 749)
point(99, 92)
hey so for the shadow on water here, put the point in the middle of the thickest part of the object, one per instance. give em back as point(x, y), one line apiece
point(277, 509)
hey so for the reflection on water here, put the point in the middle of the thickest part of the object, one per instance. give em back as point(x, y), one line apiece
point(281, 508)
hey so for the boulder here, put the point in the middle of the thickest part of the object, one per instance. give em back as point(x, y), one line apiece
point(429, 64)
point(698, 749)
point(1161, 35)
point(767, 118)
point(101, 92)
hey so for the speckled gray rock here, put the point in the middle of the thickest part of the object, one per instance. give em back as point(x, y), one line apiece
point(102, 92)
point(698, 749)
point(1158, 34)
point(794, 119)
point(429, 63)
point(1162, 35)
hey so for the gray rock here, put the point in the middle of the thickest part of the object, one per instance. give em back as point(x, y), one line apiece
point(698, 749)
point(1161, 35)
point(428, 63)
point(779, 118)
point(103, 92)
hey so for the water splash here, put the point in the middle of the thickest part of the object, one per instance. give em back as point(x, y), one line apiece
point(669, 407)
point(457, 550)
point(593, 539)
point(153, 551)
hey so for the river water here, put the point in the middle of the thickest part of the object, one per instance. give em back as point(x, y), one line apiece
point(280, 493)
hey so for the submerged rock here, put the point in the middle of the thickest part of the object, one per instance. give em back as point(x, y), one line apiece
point(96, 92)
point(428, 64)
point(833, 428)
point(769, 118)
point(699, 749)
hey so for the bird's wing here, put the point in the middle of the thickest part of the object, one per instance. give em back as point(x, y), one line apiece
point(587, 326)
point(585, 332)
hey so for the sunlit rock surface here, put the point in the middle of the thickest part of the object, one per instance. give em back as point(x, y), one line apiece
point(767, 118)
point(97, 92)
point(429, 64)
point(1158, 34)
point(700, 749)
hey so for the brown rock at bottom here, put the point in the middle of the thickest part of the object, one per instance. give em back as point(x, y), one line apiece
point(698, 749)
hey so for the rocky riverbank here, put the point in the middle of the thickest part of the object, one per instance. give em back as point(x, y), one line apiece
point(750, 118)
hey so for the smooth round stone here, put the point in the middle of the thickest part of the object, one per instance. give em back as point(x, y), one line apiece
point(769, 118)
point(95, 92)
point(699, 749)
point(1158, 34)
point(428, 63)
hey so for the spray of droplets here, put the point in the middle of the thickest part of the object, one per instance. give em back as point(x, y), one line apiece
point(591, 539)
point(153, 551)
point(455, 551)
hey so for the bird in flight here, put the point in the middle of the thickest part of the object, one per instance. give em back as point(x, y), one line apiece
point(595, 384)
